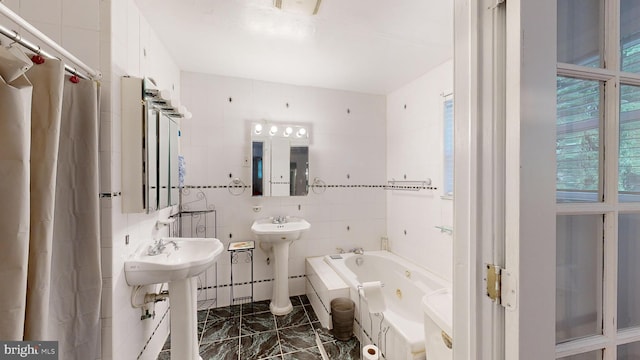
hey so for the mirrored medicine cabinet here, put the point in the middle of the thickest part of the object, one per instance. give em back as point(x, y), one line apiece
point(279, 159)
point(150, 141)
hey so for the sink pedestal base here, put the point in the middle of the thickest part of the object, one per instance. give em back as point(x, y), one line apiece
point(280, 302)
point(184, 324)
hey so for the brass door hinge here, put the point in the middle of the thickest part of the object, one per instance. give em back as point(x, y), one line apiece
point(501, 286)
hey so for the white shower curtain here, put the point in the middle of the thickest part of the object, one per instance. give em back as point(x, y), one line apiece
point(15, 149)
point(49, 221)
point(76, 280)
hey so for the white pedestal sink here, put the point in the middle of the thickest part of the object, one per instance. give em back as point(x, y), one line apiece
point(280, 232)
point(176, 261)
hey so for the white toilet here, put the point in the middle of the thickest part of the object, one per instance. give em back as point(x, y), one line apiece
point(438, 320)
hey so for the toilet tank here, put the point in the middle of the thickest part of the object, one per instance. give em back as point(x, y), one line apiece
point(438, 320)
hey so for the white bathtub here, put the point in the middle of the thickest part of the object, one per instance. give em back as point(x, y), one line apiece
point(404, 286)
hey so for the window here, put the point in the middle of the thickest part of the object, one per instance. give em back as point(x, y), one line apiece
point(448, 147)
point(598, 179)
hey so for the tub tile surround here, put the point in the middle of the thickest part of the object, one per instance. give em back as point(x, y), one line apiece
point(262, 335)
point(414, 149)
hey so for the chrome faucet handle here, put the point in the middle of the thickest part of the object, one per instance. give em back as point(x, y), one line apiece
point(175, 245)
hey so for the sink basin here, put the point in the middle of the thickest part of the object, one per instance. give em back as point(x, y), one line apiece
point(266, 230)
point(280, 234)
point(191, 257)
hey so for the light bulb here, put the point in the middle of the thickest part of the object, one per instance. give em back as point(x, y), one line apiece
point(188, 115)
point(288, 131)
point(258, 128)
point(302, 132)
point(274, 130)
point(182, 109)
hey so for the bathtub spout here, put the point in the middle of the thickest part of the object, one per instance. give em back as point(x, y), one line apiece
point(357, 251)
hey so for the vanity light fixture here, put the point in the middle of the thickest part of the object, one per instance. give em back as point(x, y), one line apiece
point(265, 129)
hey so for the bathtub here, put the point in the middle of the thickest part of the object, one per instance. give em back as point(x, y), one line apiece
point(404, 286)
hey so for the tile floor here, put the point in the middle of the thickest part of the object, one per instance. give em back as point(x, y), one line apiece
point(250, 331)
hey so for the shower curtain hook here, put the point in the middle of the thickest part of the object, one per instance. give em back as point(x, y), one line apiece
point(37, 58)
point(74, 78)
point(16, 39)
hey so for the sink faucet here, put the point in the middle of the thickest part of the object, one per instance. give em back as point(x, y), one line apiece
point(159, 246)
point(357, 251)
point(279, 219)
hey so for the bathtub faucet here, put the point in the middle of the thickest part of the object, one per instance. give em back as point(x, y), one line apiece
point(357, 251)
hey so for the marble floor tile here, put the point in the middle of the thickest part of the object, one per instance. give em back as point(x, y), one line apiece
point(295, 300)
point(305, 300)
point(311, 313)
point(259, 346)
point(202, 315)
point(306, 354)
point(256, 307)
point(221, 329)
point(296, 317)
point(224, 313)
point(343, 350)
point(325, 334)
point(297, 337)
point(255, 323)
point(220, 350)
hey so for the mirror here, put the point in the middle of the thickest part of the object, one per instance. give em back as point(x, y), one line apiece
point(150, 172)
point(168, 165)
point(151, 146)
point(280, 159)
point(174, 176)
point(163, 155)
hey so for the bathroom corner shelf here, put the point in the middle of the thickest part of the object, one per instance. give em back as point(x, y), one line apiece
point(235, 249)
point(199, 223)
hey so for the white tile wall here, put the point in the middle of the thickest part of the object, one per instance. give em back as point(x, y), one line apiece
point(130, 39)
point(215, 141)
point(369, 138)
point(414, 143)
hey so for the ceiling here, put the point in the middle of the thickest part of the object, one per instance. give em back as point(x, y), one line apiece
point(370, 46)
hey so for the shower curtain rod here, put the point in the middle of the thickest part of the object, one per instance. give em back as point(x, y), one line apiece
point(14, 36)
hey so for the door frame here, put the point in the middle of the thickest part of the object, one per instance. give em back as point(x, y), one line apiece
point(515, 227)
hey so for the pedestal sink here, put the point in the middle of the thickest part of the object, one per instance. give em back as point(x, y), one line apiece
point(176, 261)
point(280, 232)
